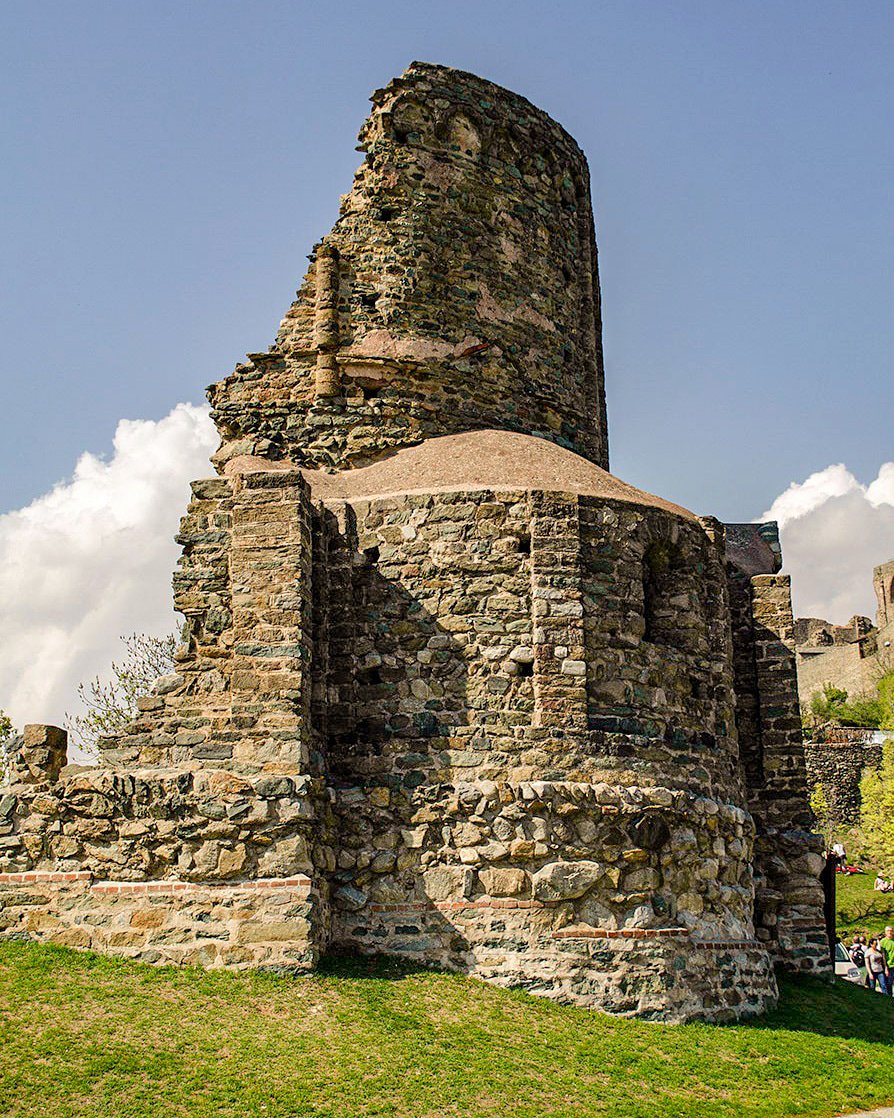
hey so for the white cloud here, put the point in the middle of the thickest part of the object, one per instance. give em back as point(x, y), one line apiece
point(834, 531)
point(92, 559)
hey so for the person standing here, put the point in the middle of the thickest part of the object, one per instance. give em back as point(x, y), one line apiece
point(886, 946)
point(876, 967)
point(857, 952)
point(838, 851)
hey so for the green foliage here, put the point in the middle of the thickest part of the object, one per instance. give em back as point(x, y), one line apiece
point(886, 699)
point(110, 704)
point(831, 706)
point(110, 1038)
point(861, 711)
point(877, 812)
point(819, 803)
point(6, 728)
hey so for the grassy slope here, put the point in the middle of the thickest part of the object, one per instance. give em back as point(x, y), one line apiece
point(859, 907)
point(83, 1036)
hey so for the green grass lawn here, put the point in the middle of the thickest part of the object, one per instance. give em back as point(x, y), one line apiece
point(859, 907)
point(83, 1036)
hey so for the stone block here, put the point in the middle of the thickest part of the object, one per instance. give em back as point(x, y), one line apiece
point(560, 881)
point(38, 754)
point(273, 931)
point(504, 882)
point(443, 883)
point(148, 918)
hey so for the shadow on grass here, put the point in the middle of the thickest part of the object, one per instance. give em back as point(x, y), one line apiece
point(806, 1004)
point(829, 1008)
point(347, 964)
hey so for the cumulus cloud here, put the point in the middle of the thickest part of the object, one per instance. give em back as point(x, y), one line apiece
point(834, 531)
point(91, 561)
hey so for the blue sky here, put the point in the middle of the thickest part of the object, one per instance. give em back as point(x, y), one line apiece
point(167, 166)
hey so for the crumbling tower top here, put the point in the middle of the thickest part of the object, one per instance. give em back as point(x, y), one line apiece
point(458, 290)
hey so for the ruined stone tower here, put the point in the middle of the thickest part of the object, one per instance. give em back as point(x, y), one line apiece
point(447, 688)
point(458, 291)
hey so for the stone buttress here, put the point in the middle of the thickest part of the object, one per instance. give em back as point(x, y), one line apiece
point(447, 689)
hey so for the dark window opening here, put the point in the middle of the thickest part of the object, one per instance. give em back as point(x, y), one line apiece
point(371, 555)
point(524, 545)
point(665, 583)
point(525, 670)
point(370, 677)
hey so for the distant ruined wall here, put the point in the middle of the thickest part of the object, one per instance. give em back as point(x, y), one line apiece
point(838, 763)
point(853, 657)
point(883, 585)
point(846, 666)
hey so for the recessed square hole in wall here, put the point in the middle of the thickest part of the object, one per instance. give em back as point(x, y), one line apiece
point(371, 555)
point(526, 670)
point(524, 545)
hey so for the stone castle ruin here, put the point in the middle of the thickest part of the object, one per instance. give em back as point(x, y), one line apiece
point(853, 657)
point(447, 689)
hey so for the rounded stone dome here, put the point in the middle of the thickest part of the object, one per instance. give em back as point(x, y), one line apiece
point(483, 460)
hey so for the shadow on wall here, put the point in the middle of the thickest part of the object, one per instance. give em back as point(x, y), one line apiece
point(397, 712)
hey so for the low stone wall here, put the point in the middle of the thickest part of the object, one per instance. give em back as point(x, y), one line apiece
point(269, 922)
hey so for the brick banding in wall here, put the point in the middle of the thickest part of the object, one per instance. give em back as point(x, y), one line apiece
point(301, 883)
point(37, 877)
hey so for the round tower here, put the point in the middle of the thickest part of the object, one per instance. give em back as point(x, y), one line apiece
point(457, 291)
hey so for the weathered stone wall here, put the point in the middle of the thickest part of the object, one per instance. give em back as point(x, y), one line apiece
point(265, 922)
point(241, 695)
point(658, 649)
point(838, 762)
point(446, 688)
point(457, 291)
point(480, 621)
point(788, 855)
point(135, 824)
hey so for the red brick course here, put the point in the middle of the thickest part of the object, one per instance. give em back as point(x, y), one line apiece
point(132, 888)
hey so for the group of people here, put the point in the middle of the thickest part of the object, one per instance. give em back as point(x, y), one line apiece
point(875, 960)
